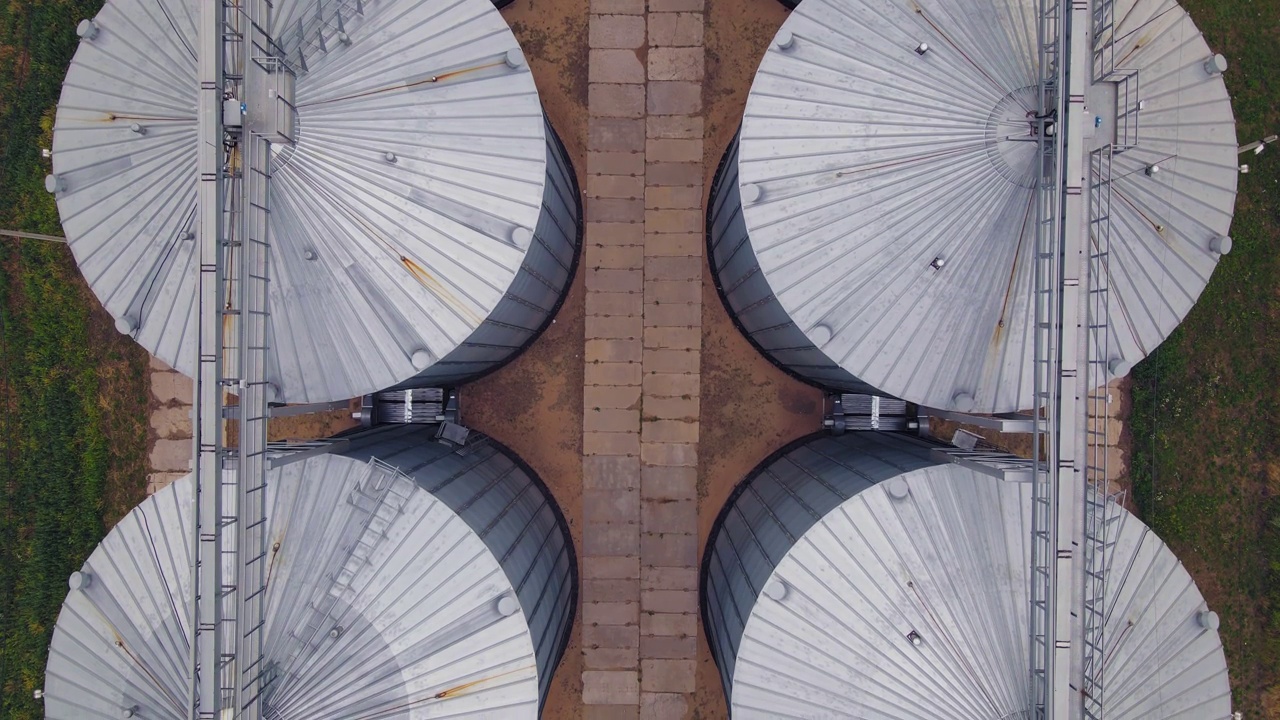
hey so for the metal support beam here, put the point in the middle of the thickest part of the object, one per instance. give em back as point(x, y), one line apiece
point(282, 454)
point(232, 412)
point(205, 699)
point(1016, 423)
point(32, 236)
point(996, 464)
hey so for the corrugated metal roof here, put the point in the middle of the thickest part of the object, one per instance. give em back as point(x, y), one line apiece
point(415, 597)
point(398, 221)
point(813, 620)
point(503, 501)
point(862, 161)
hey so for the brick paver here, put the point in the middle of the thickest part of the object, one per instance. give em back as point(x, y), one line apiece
point(644, 195)
point(169, 454)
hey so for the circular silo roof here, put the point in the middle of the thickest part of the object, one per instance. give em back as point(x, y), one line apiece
point(910, 599)
point(888, 187)
point(397, 222)
point(409, 608)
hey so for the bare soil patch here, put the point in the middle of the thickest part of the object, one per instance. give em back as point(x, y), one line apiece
point(749, 407)
point(534, 404)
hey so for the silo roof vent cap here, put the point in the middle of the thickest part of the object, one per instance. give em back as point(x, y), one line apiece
point(776, 590)
point(1119, 367)
point(898, 488)
point(507, 606)
point(521, 237)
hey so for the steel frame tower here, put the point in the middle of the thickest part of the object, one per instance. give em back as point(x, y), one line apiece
point(245, 105)
point(1072, 509)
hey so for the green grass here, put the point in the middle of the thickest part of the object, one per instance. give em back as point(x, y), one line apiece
point(1206, 405)
point(73, 391)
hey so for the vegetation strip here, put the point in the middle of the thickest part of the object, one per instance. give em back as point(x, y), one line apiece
point(74, 391)
point(1205, 461)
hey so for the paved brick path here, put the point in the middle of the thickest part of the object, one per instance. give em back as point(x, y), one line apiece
point(169, 455)
point(643, 339)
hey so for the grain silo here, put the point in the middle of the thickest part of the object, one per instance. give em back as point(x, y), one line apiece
point(423, 216)
point(872, 227)
point(408, 579)
point(857, 576)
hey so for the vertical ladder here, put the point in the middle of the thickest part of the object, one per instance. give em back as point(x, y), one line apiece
point(1099, 516)
point(1047, 332)
point(1128, 109)
point(1096, 459)
point(1044, 451)
point(1104, 53)
point(252, 280)
point(376, 501)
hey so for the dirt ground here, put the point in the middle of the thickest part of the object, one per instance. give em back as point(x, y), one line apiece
point(1019, 444)
point(737, 34)
point(750, 408)
point(297, 428)
point(123, 399)
point(316, 425)
point(534, 407)
point(534, 404)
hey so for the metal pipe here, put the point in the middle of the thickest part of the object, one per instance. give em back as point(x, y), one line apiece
point(32, 236)
point(204, 663)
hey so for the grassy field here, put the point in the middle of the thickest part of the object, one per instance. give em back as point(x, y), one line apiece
point(1206, 420)
point(74, 391)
